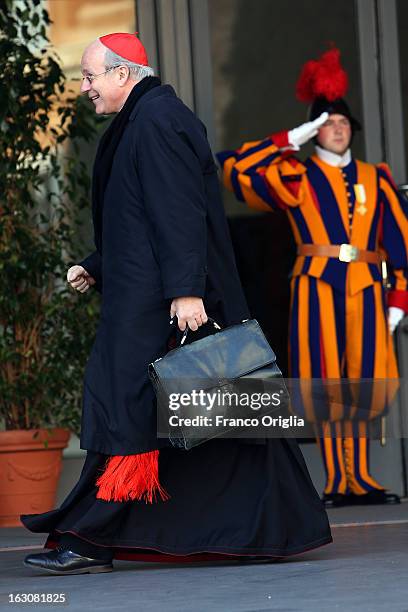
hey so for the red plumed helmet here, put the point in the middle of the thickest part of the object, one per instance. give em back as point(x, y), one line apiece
point(322, 78)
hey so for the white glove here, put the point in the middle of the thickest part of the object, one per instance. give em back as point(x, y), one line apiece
point(298, 136)
point(394, 317)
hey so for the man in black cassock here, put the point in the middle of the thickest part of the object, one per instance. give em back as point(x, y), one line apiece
point(162, 249)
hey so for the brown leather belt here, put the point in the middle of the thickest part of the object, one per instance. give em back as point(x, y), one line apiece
point(343, 252)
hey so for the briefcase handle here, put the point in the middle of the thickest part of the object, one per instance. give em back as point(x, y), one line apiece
point(185, 332)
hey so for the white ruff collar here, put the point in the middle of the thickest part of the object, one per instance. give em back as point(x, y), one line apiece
point(339, 161)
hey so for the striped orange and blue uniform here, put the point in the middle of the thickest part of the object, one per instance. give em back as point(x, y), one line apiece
point(338, 313)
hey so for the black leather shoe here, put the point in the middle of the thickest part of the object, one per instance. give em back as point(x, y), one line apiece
point(334, 500)
point(375, 497)
point(63, 561)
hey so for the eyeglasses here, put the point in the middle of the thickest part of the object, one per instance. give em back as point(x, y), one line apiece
point(91, 77)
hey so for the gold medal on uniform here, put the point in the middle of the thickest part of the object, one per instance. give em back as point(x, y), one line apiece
point(361, 198)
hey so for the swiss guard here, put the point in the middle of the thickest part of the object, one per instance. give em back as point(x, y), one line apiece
point(346, 216)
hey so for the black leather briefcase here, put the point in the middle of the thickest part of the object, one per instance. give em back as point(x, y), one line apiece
point(232, 359)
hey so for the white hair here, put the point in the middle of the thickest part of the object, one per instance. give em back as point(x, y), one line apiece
point(137, 72)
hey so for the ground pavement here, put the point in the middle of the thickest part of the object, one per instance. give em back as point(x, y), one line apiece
point(365, 569)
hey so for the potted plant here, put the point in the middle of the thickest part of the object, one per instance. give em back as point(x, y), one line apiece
point(46, 328)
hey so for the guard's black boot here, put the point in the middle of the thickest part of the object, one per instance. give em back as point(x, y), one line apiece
point(373, 498)
point(334, 500)
point(63, 561)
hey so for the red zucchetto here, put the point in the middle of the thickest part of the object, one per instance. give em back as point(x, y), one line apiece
point(127, 46)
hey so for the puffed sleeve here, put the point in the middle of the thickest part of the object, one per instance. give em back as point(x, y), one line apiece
point(264, 173)
point(394, 238)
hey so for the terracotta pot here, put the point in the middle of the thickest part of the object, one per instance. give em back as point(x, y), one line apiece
point(29, 472)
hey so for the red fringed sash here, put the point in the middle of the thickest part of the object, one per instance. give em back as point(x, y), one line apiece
point(131, 477)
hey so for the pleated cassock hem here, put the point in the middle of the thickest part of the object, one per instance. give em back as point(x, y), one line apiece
point(143, 551)
point(226, 499)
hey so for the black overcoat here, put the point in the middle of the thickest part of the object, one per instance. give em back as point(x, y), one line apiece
point(161, 233)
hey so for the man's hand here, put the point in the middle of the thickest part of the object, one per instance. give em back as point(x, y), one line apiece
point(79, 278)
point(298, 136)
point(190, 311)
point(394, 317)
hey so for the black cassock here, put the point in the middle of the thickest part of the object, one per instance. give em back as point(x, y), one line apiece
point(161, 234)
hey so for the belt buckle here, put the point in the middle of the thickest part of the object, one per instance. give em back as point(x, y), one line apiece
point(348, 253)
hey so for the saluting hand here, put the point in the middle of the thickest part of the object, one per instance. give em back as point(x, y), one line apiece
point(302, 134)
point(190, 311)
point(79, 278)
